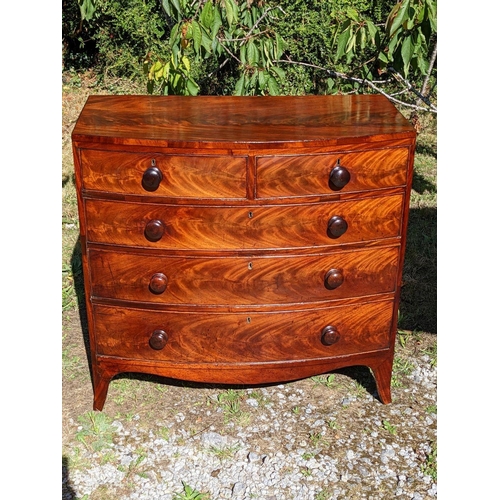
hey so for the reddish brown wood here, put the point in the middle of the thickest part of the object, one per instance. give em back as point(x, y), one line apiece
point(310, 175)
point(244, 280)
point(210, 122)
point(226, 227)
point(241, 337)
point(179, 176)
point(242, 239)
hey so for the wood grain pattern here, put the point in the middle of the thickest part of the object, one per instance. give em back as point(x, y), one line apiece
point(183, 176)
point(217, 248)
point(216, 121)
point(242, 281)
point(303, 175)
point(242, 337)
point(290, 226)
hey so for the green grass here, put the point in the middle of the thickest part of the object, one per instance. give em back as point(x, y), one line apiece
point(419, 292)
point(96, 431)
point(429, 467)
point(190, 493)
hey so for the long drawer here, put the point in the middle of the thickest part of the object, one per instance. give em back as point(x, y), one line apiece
point(242, 337)
point(243, 280)
point(238, 227)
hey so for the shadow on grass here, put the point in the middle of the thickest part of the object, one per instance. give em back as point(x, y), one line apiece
point(67, 490)
point(418, 306)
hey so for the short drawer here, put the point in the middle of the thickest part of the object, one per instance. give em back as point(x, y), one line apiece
point(164, 175)
point(243, 281)
point(313, 175)
point(250, 227)
point(242, 337)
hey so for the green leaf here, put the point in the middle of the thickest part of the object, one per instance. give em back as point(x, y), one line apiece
point(240, 84)
point(341, 45)
point(197, 35)
point(206, 42)
point(280, 46)
point(351, 43)
point(87, 9)
point(166, 7)
point(230, 14)
point(432, 14)
point(372, 30)
point(243, 54)
point(263, 77)
point(352, 13)
point(207, 15)
point(273, 86)
point(192, 87)
point(217, 21)
point(382, 57)
point(174, 36)
point(407, 49)
point(279, 72)
point(186, 63)
point(401, 11)
point(252, 53)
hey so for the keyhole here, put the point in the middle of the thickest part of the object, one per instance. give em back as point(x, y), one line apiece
point(250, 215)
point(249, 319)
point(250, 266)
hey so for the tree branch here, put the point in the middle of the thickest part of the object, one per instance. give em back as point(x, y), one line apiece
point(364, 81)
point(431, 67)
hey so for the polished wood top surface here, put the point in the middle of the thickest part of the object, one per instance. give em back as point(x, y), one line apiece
point(221, 121)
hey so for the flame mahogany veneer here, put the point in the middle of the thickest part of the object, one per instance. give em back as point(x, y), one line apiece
point(242, 240)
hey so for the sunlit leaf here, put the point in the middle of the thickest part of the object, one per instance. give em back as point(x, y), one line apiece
point(273, 86)
point(197, 35)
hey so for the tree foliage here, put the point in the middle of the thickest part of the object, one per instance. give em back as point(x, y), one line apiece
point(271, 47)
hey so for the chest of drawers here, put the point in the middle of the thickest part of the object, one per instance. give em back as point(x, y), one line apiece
point(242, 240)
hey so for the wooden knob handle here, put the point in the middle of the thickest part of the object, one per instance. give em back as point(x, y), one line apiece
point(333, 279)
point(329, 335)
point(337, 226)
point(158, 340)
point(151, 179)
point(154, 230)
point(158, 283)
point(339, 177)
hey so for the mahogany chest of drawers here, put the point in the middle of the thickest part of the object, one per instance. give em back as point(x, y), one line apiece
point(242, 240)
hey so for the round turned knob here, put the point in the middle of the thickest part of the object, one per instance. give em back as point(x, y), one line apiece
point(339, 177)
point(329, 335)
point(337, 226)
point(154, 230)
point(151, 179)
point(333, 279)
point(158, 340)
point(158, 283)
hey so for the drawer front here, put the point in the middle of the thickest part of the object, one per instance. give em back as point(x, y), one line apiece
point(243, 281)
point(241, 337)
point(251, 227)
point(164, 175)
point(309, 175)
